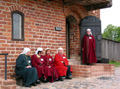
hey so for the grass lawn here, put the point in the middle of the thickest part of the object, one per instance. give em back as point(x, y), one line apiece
point(117, 64)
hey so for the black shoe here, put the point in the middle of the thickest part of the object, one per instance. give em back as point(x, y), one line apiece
point(89, 64)
point(60, 78)
point(57, 80)
point(42, 78)
point(27, 85)
point(68, 78)
point(34, 84)
point(45, 81)
point(38, 82)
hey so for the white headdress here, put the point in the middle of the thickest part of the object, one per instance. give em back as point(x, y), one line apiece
point(89, 30)
point(38, 49)
point(25, 51)
point(47, 49)
point(59, 49)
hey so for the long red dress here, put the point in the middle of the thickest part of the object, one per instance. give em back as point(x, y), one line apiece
point(48, 70)
point(50, 62)
point(39, 64)
point(88, 46)
point(61, 67)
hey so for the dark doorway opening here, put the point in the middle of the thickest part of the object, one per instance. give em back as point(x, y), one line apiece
point(67, 39)
point(72, 38)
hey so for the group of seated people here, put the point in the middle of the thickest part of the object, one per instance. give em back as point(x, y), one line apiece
point(41, 67)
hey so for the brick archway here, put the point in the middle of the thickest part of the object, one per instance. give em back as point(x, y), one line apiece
point(17, 7)
point(77, 11)
point(73, 16)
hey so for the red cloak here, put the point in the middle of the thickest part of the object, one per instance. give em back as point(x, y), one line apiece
point(60, 66)
point(88, 46)
point(36, 62)
point(50, 62)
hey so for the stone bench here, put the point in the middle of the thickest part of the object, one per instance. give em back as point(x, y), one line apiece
point(19, 80)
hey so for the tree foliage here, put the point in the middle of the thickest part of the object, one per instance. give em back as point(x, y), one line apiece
point(112, 32)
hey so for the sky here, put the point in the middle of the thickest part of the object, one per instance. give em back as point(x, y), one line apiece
point(111, 15)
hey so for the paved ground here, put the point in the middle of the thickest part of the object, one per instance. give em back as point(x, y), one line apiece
point(108, 82)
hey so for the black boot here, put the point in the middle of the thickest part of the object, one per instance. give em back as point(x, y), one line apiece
point(60, 78)
point(68, 78)
point(34, 84)
point(38, 82)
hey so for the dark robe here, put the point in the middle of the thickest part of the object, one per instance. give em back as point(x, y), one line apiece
point(88, 46)
point(62, 67)
point(50, 62)
point(38, 64)
point(29, 75)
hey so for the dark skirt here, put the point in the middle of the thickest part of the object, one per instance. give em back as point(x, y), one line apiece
point(29, 75)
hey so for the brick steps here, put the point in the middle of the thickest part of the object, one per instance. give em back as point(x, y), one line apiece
point(95, 70)
point(7, 84)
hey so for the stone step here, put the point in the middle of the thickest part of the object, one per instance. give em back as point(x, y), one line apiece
point(74, 62)
point(92, 70)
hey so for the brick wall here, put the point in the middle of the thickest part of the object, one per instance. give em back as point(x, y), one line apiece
point(41, 17)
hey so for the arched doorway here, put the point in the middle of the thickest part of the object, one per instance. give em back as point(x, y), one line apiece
point(72, 39)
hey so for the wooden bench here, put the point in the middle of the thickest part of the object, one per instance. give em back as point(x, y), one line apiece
point(19, 80)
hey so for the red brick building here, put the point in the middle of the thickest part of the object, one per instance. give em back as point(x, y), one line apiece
point(32, 23)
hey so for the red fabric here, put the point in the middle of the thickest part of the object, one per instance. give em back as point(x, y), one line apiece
point(48, 71)
point(61, 67)
point(41, 66)
point(50, 62)
point(36, 62)
point(88, 46)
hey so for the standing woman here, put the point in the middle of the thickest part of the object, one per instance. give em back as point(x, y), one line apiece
point(88, 48)
point(50, 64)
point(25, 70)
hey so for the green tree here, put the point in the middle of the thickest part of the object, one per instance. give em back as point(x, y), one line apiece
point(112, 32)
point(117, 35)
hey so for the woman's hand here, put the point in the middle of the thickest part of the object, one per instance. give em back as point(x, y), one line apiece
point(62, 61)
point(28, 66)
point(49, 66)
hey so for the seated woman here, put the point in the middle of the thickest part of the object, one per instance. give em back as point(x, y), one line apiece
point(61, 64)
point(25, 70)
point(50, 64)
point(38, 63)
